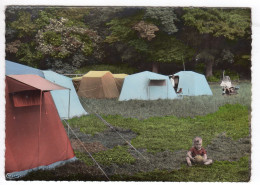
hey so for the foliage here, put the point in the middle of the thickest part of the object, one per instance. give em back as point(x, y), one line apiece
point(132, 35)
point(118, 155)
point(172, 50)
point(229, 23)
point(165, 17)
point(149, 44)
point(146, 30)
point(116, 69)
point(219, 171)
point(60, 41)
point(24, 25)
point(28, 54)
point(213, 79)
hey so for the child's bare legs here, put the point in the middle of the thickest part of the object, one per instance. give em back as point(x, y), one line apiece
point(188, 161)
point(208, 162)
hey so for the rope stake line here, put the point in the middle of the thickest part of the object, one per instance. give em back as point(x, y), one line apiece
point(112, 128)
point(87, 150)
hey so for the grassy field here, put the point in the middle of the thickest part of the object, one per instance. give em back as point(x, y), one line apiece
point(168, 126)
point(186, 107)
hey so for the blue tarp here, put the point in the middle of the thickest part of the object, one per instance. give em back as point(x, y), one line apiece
point(147, 86)
point(193, 84)
point(12, 68)
point(61, 97)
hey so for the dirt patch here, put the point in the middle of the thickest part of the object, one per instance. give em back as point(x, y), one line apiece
point(109, 138)
point(91, 147)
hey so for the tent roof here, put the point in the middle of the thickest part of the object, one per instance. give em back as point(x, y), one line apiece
point(120, 75)
point(36, 82)
point(12, 68)
point(96, 73)
point(188, 73)
point(77, 78)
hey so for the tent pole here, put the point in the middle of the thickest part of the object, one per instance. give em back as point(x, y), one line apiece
point(69, 112)
point(39, 127)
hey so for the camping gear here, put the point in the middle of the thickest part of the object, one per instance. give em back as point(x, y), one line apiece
point(98, 84)
point(119, 79)
point(227, 87)
point(147, 86)
point(192, 84)
point(66, 101)
point(35, 136)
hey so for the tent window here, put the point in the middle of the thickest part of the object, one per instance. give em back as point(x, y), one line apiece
point(26, 98)
point(157, 83)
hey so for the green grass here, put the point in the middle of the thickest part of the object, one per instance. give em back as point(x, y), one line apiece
point(112, 68)
point(187, 107)
point(87, 124)
point(118, 155)
point(219, 171)
point(172, 133)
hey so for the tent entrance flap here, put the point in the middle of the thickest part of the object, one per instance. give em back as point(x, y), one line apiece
point(154, 82)
point(26, 98)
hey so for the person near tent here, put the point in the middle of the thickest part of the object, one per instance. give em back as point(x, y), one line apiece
point(197, 150)
point(175, 82)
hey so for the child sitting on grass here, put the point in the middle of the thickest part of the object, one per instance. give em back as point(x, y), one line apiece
point(197, 154)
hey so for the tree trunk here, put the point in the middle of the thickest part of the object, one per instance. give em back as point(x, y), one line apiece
point(155, 67)
point(209, 68)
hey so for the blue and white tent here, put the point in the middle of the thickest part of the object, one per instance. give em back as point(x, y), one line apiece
point(12, 68)
point(192, 84)
point(147, 86)
point(67, 107)
point(66, 101)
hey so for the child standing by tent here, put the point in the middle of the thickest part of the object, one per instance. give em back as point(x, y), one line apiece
point(197, 154)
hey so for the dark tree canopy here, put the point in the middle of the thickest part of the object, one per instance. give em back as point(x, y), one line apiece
point(65, 39)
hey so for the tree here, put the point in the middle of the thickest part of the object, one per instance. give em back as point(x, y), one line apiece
point(141, 32)
point(216, 27)
point(47, 37)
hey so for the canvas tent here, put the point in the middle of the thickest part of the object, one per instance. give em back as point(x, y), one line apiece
point(147, 86)
point(35, 136)
point(66, 101)
point(98, 84)
point(76, 82)
point(62, 98)
point(192, 84)
point(12, 68)
point(119, 79)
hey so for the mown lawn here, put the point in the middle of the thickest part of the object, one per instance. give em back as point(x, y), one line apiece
point(171, 133)
point(219, 171)
point(166, 125)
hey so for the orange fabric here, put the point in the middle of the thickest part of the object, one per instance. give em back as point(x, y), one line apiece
point(98, 87)
point(119, 79)
point(119, 83)
point(36, 82)
point(26, 98)
point(34, 138)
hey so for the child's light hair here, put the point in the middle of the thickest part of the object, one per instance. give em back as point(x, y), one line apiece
point(197, 139)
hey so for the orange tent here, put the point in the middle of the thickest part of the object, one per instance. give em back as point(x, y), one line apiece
point(35, 135)
point(98, 84)
point(119, 79)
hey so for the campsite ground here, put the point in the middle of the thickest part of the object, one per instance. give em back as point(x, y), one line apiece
point(162, 132)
